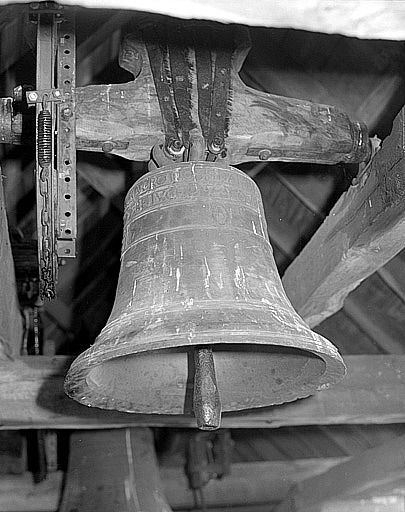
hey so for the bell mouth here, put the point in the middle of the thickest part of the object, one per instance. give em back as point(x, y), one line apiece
point(161, 381)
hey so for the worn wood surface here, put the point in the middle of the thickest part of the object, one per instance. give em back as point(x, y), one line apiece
point(31, 396)
point(373, 468)
point(10, 318)
point(113, 470)
point(293, 130)
point(363, 231)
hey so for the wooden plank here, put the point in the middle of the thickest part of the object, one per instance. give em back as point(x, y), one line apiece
point(373, 468)
point(11, 327)
point(364, 230)
point(31, 396)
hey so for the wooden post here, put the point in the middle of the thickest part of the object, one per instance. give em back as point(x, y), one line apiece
point(113, 470)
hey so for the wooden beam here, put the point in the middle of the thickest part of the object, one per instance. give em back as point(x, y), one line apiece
point(31, 396)
point(364, 230)
point(11, 327)
point(373, 468)
point(291, 129)
point(128, 116)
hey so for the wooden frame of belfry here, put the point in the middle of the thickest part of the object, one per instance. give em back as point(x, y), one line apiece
point(364, 230)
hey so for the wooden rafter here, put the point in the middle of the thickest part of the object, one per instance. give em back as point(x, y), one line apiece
point(364, 230)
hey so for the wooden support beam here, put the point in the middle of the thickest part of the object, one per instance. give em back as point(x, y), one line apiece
point(373, 468)
point(11, 327)
point(364, 230)
point(31, 396)
point(128, 116)
point(293, 130)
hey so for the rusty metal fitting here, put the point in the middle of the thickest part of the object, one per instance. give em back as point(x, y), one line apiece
point(67, 113)
point(32, 96)
point(264, 154)
point(175, 148)
point(107, 146)
point(216, 145)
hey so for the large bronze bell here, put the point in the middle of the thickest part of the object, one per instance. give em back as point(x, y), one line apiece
point(197, 270)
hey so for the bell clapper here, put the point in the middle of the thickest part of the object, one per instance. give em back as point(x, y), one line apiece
point(206, 400)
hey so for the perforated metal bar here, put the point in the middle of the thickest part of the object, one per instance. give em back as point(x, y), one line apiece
point(66, 140)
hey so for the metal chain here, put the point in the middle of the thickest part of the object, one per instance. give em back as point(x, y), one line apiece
point(46, 250)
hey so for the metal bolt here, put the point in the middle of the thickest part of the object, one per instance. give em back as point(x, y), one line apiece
point(107, 146)
point(264, 154)
point(175, 147)
point(32, 96)
point(34, 5)
point(216, 145)
point(67, 112)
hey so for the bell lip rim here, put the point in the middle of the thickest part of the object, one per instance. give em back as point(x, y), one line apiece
point(77, 388)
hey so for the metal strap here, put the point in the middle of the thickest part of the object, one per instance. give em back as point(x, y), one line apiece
point(66, 223)
point(181, 73)
point(172, 69)
point(159, 62)
point(214, 88)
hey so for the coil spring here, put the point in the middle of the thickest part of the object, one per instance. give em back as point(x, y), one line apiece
point(44, 138)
